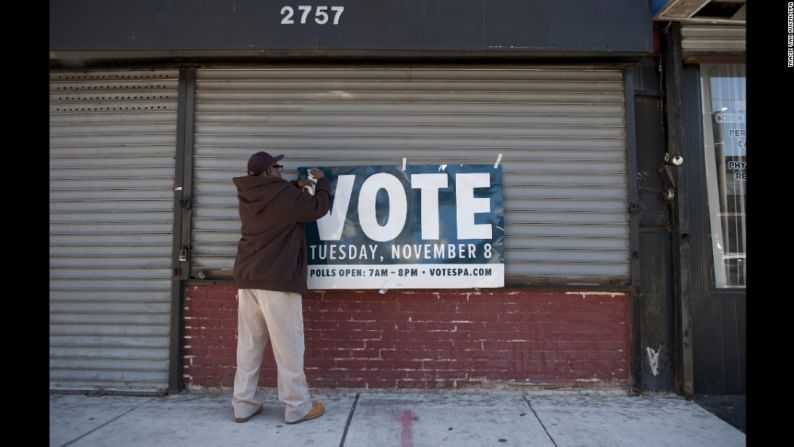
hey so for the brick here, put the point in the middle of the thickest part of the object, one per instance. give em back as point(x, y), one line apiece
point(351, 364)
point(221, 293)
point(418, 375)
point(213, 332)
point(347, 326)
point(383, 365)
point(383, 375)
point(198, 351)
point(427, 345)
point(324, 325)
point(365, 354)
point(207, 371)
point(208, 301)
point(310, 352)
point(327, 315)
point(445, 365)
point(529, 337)
point(195, 293)
point(331, 335)
point(332, 353)
point(340, 383)
point(219, 352)
point(338, 344)
point(336, 373)
point(388, 354)
point(413, 384)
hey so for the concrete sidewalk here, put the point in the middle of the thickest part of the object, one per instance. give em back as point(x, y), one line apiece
point(378, 418)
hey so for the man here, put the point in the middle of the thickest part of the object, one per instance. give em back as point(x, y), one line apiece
point(270, 273)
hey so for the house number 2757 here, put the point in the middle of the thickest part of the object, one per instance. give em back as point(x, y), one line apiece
point(321, 15)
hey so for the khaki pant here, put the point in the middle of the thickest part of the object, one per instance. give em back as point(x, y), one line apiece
point(264, 315)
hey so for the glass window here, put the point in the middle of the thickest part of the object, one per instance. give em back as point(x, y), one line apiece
point(724, 125)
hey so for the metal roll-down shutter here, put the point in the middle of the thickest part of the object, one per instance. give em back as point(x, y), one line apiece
point(706, 39)
point(112, 155)
point(561, 131)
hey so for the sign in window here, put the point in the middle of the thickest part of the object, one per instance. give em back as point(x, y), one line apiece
point(725, 136)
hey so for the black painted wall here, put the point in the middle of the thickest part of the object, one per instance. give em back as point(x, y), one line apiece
point(615, 27)
point(719, 333)
point(654, 305)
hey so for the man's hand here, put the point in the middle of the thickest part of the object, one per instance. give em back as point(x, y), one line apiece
point(316, 173)
point(304, 182)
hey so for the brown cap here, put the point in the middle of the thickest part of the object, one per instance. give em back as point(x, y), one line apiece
point(261, 161)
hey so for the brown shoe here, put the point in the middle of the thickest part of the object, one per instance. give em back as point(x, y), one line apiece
point(316, 411)
point(245, 419)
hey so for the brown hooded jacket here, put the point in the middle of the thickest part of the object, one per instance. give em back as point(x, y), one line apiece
point(271, 253)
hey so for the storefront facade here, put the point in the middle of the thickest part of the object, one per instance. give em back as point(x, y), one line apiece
point(152, 115)
point(704, 63)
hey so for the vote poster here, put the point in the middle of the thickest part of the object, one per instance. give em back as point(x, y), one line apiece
point(424, 226)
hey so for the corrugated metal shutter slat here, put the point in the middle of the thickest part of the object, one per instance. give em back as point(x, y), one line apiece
point(698, 39)
point(112, 155)
point(561, 131)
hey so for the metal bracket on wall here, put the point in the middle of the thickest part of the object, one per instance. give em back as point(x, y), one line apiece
point(668, 177)
point(184, 259)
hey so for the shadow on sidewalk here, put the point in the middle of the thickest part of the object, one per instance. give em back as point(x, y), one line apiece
point(731, 408)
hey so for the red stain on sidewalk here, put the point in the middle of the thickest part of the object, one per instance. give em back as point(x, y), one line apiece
point(406, 418)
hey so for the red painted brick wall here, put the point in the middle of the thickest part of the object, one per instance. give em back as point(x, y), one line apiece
point(427, 339)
